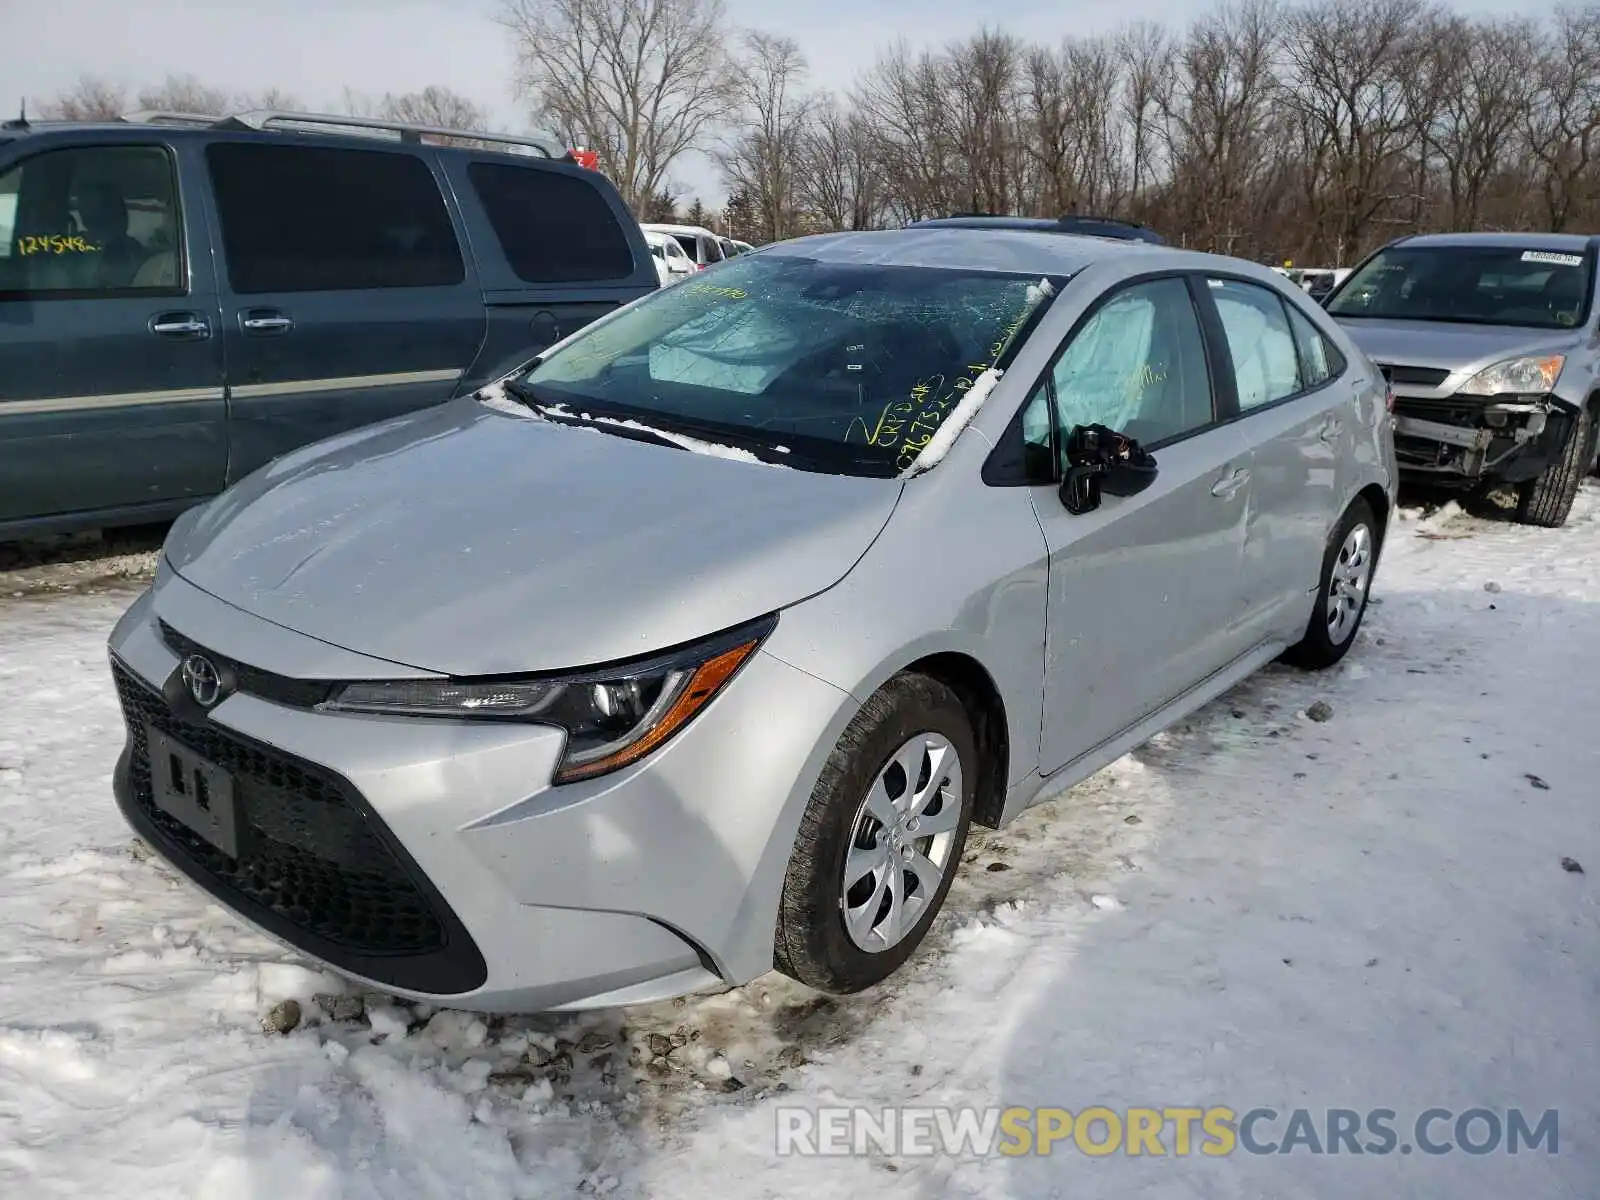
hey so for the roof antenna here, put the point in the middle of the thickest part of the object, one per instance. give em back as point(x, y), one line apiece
point(22, 117)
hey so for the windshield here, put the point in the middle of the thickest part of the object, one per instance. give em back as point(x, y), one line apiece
point(1473, 285)
point(842, 367)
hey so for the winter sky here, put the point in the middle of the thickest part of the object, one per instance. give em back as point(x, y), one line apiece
point(313, 49)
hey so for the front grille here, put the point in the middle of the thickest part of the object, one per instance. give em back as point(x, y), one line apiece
point(1451, 410)
point(295, 693)
point(314, 866)
point(1428, 377)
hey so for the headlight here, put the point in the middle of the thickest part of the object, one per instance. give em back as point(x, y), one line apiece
point(1521, 376)
point(613, 716)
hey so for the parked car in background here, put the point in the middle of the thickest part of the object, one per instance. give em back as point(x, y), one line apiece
point(742, 247)
point(183, 299)
point(1318, 281)
point(1106, 227)
point(707, 696)
point(1491, 343)
point(672, 264)
point(703, 247)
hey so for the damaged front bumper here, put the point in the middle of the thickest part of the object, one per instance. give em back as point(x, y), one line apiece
point(1466, 439)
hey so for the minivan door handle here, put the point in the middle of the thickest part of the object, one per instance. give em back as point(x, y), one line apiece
point(264, 322)
point(180, 325)
point(1229, 484)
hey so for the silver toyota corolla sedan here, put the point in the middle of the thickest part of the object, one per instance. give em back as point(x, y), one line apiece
point(696, 647)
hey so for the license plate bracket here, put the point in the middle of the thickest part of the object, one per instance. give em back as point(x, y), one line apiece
point(194, 791)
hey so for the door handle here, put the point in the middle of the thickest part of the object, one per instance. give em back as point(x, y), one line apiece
point(180, 325)
point(265, 322)
point(1229, 484)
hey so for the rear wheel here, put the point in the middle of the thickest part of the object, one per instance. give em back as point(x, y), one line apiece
point(880, 839)
point(1547, 500)
point(1342, 592)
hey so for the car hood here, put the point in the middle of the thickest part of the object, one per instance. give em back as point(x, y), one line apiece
point(466, 540)
point(1466, 349)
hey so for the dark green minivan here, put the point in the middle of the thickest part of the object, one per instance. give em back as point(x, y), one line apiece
point(183, 299)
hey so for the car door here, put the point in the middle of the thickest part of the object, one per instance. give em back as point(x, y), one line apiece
point(1141, 589)
point(1298, 438)
point(111, 397)
point(348, 297)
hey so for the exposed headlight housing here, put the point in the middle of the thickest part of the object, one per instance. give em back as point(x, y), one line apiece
point(613, 716)
point(1516, 376)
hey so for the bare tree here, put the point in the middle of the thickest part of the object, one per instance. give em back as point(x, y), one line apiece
point(639, 81)
point(1218, 111)
point(760, 160)
point(1350, 61)
point(1479, 116)
point(1074, 134)
point(89, 99)
point(1564, 117)
point(187, 94)
point(840, 180)
point(904, 98)
point(1147, 67)
point(436, 106)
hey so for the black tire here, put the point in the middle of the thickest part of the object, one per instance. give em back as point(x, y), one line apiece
point(812, 944)
point(1318, 649)
point(1547, 500)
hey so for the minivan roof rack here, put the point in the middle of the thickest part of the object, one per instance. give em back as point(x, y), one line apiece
point(266, 120)
point(155, 116)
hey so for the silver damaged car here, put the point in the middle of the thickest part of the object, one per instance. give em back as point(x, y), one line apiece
point(1491, 342)
point(696, 647)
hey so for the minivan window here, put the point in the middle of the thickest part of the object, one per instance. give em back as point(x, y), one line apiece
point(314, 218)
point(1470, 285)
point(690, 244)
point(91, 221)
point(844, 367)
point(554, 227)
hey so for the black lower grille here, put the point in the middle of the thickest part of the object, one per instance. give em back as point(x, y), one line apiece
point(313, 865)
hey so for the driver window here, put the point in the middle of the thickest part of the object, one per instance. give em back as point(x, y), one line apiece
point(1138, 366)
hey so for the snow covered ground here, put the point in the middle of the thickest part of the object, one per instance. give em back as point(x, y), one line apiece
point(1257, 909)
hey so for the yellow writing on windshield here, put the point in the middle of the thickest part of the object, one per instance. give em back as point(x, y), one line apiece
point(55, 244)
point(727, 293)
point(931, 406)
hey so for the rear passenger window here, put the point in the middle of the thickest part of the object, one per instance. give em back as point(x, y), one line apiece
point(317, 219)
point(1320, 360)
point(553, 227)
point(91, 222)
point(1265, 362)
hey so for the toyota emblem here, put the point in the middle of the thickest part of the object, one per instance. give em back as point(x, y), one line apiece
point(201, 677)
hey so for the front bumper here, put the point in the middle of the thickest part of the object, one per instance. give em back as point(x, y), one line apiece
point(432, 859)
point(1470, 439)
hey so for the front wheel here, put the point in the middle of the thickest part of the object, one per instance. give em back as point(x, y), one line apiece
point(880, 839)
point(1547, 500)
point(1342, 591)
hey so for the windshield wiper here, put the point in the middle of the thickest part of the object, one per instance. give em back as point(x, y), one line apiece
point(563, 415)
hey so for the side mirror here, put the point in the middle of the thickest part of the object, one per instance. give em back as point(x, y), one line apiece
point(1102, 461)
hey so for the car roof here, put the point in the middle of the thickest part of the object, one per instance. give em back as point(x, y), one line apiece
point(1022, 251)
point(669, 228)
point(1072, 223)
point(311, 129)
point(1575, 243)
